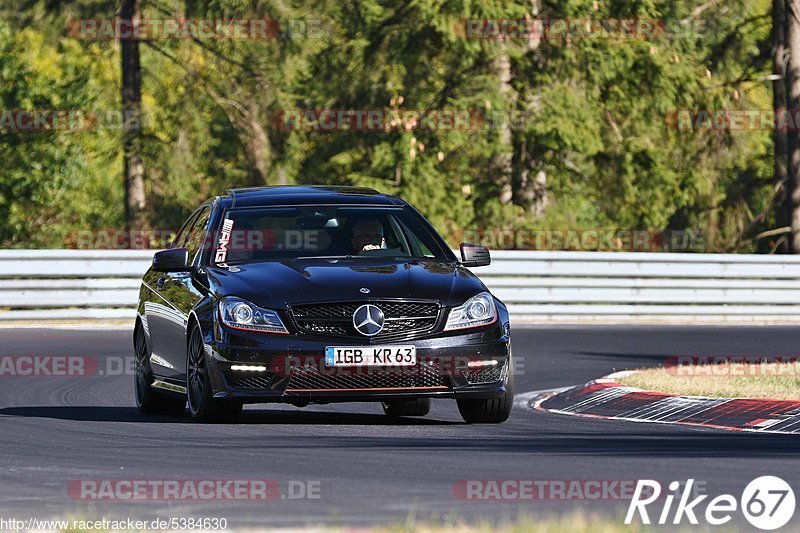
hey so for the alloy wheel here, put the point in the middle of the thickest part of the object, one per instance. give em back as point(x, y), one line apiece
point(196, 371)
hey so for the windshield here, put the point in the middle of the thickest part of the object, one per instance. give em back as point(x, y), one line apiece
point(278, 233)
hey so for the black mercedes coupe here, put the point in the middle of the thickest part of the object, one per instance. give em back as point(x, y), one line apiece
point(318, 294)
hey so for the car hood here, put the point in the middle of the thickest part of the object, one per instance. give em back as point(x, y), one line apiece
point(277, 284)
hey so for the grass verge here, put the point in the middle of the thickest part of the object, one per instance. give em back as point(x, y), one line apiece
point(725, 380)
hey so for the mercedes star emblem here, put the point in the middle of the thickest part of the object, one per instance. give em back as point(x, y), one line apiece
point(368, 320)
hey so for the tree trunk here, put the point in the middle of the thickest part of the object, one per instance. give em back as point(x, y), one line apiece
point(257, 147)
point(783, 203)
point(529, 180)
point(501, 162)
point(792, 105)
point(244, 117)
point(135, 201)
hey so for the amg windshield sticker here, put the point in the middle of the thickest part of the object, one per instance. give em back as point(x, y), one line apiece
point(224, 241)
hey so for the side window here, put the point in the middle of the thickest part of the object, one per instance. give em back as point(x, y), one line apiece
point(195, 236)
point(394, 236)
point(418, 247)
point(180, 238)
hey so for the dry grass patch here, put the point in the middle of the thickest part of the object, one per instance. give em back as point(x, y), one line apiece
point(722, 380)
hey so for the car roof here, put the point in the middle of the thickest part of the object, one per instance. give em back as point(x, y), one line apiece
point(309, 194)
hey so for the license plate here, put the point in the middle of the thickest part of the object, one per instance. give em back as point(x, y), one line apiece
point(370, 355)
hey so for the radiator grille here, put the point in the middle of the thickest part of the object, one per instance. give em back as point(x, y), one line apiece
point(336, 319)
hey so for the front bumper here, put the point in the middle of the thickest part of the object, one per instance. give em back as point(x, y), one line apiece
point(292, 369)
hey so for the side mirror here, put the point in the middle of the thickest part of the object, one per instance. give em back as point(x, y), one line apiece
point(174, 260)
point(473, 255)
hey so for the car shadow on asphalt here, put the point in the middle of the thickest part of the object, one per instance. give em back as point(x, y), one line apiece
point(471, 439)
point(642, 357)
point(249, 417)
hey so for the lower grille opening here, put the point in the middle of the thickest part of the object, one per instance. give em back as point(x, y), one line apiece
point(423, 376)
point(248, 381)
point(488, 374)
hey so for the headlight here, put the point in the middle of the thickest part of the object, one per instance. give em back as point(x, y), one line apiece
point(477, 311)
point(241, 314)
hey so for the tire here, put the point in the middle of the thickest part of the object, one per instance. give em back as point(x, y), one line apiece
point(202, 405)
point(413, 407)
point(148, 401)
point(489, 411)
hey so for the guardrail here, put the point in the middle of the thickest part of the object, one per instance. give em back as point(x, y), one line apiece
point(554, 286)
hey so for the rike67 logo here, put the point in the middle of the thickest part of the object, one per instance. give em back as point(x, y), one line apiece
point(767, 503)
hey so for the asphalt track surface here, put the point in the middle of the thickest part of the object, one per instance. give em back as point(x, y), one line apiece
point(54, 430)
